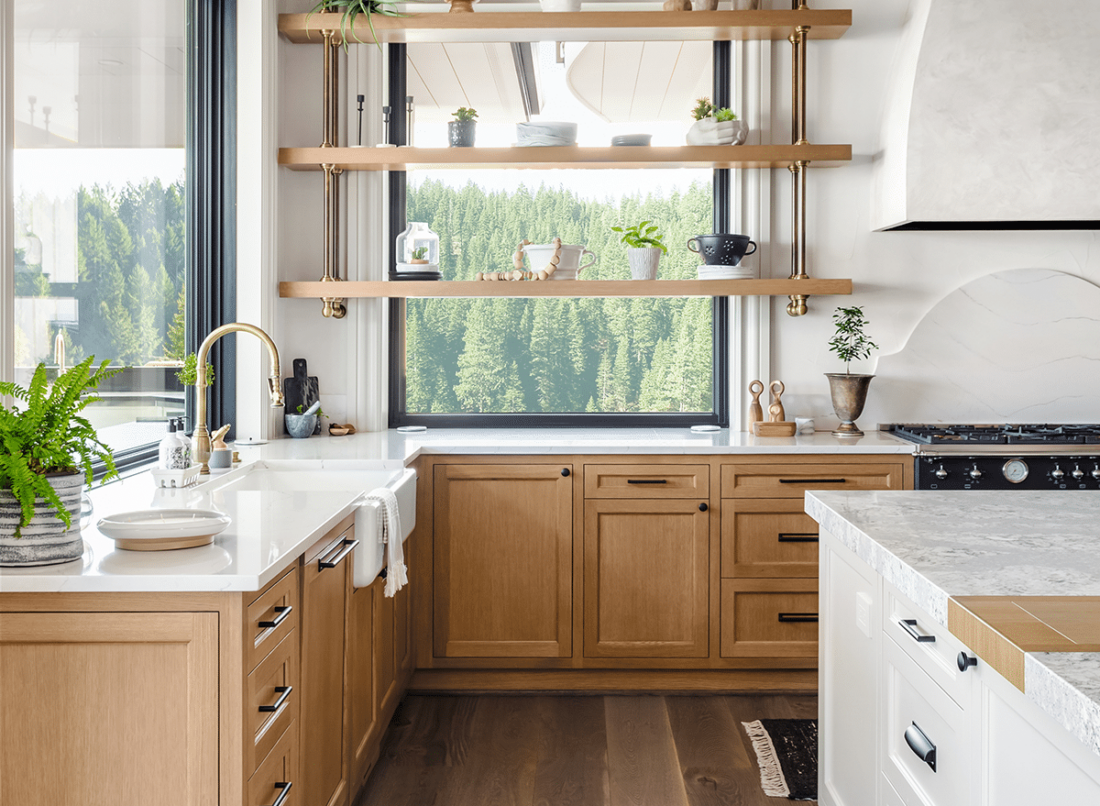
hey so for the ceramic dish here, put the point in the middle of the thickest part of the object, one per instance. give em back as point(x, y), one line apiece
point(163, 529)
point(632, 140)
point(726, 273)
point(546, 133)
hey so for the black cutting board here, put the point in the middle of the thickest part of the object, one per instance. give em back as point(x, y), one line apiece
point(300, 390)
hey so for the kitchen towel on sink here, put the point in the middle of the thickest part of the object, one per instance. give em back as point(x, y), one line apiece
point(389, 532)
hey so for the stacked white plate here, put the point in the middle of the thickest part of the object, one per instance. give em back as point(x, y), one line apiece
point(741, 272)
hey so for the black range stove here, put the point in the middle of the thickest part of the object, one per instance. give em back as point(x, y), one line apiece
point(1004, 457)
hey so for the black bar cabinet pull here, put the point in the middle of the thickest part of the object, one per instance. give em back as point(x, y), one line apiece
point(794, 537)
point(647, 481)
point(812, 481)
point(798, 618)
point(348, 548)
point(285, 787)
point(910, 626)
point(281, 614)
point(283, 692)
point(921, 745)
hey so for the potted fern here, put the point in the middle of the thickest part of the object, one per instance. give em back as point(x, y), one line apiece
point(849, 389)
point(48, 450)
point(646, 247)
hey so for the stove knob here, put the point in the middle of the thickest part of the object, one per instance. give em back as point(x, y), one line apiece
point(1058, 473)
point(1078, 473)
point(1095, 472)
point(942, 474)
point(975, 473)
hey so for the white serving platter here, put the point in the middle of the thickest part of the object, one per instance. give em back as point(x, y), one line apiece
point(163, 529)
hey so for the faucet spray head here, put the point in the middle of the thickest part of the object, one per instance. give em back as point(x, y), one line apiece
point(276, 394)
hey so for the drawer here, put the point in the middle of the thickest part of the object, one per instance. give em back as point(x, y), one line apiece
point(271, 703)
point(930, 645)
point(276, 780)
point(271, 617)
point(792, 480)
point(646, 481)
point(890, 796)
point(768, 538)
point(915, 707)
point(772, 618)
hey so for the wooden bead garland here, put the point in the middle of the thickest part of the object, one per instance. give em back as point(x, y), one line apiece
point(519, 273)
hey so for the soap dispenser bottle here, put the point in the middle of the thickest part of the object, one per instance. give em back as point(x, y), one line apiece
point(171, 456)
point(184, 443)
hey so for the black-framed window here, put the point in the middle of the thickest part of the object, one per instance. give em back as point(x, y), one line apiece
point(454, 363)
point(124, 201)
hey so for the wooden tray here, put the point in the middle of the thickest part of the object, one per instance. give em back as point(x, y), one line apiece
point(780, 429)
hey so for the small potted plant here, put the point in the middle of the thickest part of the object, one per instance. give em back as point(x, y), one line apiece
point(463, 128)
point(48, 450)
point(715, 126)
point(350, 10)
point(848, 389)
point(419, 255)
point(646, 247)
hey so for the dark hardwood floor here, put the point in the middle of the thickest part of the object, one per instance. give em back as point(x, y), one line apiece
point(575, 751)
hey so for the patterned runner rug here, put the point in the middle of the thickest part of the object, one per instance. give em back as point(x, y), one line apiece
point(786, 750)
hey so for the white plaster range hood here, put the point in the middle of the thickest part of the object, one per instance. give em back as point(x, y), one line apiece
point(992, 119)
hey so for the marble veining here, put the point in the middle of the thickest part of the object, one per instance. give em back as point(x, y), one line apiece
point(1066, 685)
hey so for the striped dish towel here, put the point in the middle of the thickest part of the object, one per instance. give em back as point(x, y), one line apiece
point(389, 532)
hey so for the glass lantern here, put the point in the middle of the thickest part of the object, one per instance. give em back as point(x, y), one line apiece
point(418, 246)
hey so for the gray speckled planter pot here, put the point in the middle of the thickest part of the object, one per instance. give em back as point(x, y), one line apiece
point(45, 540)
point(300, 426)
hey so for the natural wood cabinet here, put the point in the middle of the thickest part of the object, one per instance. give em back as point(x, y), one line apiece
point(773, 618)
point(503, 561)
point(770, 537)
point(645, 578)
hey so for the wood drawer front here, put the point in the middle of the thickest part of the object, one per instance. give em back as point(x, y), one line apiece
point(792, 480)
point(275, 682)
point(271, 608)
point(771, 618)
point(279, 768)
point(768, 538)
point(646, 481)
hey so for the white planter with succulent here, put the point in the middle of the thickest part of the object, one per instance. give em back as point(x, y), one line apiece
point(848, 389)
point(645, 249)
point(715, 126)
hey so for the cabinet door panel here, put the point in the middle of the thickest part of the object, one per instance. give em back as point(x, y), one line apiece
point(771, 537)
point(362, 702)
point(769, 618)
point(645, 579)
point(503, 561)
point(154, 673)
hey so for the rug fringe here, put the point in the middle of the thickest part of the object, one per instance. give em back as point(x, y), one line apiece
point(771, 774)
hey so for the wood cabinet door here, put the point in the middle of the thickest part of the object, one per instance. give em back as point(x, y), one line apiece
point(67, 678)
point(324, 757)
point(769, 537)
point(771, 618)
point(362, 702)
point(503, 561)
point(645, 579)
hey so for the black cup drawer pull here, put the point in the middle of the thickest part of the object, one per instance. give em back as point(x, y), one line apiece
point(921, 745)
point(345, 548)
point(283, 692)
point(285, 787)
point(812, 481)
point(793, 537)
point(647, 481)
point(910, 626)
point(798, 618)
point(281, 614)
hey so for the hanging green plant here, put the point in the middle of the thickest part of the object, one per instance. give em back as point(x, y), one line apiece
point(351, 9)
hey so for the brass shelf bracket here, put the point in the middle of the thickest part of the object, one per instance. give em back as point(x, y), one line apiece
point(797, 306)
point(332, 307)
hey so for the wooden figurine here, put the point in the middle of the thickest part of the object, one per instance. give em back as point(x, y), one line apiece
point(777, 426)
point(776, 408)
point(756, 414)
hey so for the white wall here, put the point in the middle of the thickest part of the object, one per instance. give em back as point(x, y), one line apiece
point(898, 276)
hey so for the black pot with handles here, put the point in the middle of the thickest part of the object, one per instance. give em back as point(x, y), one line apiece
point(722, 250)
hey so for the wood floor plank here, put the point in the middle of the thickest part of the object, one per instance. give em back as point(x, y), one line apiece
point(571, 768)
point(713, 762)
point(641, 757)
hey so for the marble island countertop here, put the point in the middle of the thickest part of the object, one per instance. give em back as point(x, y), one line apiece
point(941, 546)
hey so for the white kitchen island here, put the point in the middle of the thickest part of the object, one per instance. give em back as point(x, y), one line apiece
point(931, 605)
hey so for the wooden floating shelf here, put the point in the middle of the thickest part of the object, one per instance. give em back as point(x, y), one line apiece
point(576, 26)
point(563, 288)
point(557, 157)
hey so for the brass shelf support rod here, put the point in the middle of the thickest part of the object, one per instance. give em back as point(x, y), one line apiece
point(797, 306)
point(332, 307)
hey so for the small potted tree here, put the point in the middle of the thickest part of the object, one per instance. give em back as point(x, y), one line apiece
point(646, 247)
point(48, 450)
point(848, 389)
point(715, 126)
point(462, 130)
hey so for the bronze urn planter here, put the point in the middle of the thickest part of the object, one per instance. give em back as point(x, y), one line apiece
point(849, 394)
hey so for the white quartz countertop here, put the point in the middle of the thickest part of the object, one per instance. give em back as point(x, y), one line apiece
point(936, 545)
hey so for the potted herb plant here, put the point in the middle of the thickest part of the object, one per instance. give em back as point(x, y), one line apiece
point(350, 10)
point(646, 247)
point(48, 450)
point(461, 130)
point(715, 126)
point(848, 389)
